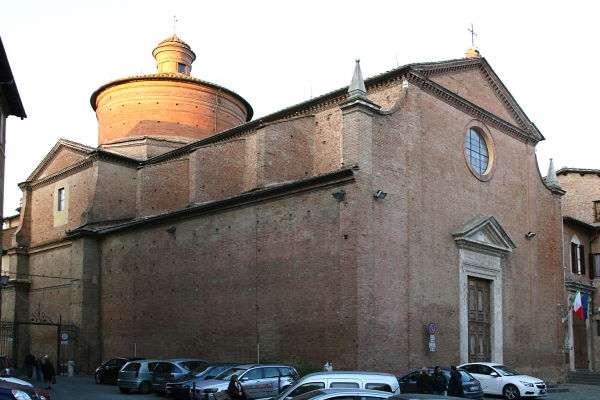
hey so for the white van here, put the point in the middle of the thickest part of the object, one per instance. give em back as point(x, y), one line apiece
point(342, 379)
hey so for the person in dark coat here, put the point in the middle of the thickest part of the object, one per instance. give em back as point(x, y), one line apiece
point(425, 382)
point(455, 388)
point(30, 364)
point(235, 389)
point(440, 382)
point(38, 368)
point(48, 371)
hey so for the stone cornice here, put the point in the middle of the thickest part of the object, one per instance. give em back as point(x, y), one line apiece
point(486, 70)
point(469, 108)
point(96, 155)
point(61, 174)
point(171, 77)
point(62, 143)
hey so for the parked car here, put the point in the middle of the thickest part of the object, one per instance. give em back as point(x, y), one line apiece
point(168, 370)
point(258, 380)
point(136, 375)
point(14, 391)
point(417, 396)
point(180, 388)
point(341, 379)
point(4, 378)
point(42, 394)
point(471, 386)
point(343, 394)
point(498, 379)
point(8, 366)
point(109, 371)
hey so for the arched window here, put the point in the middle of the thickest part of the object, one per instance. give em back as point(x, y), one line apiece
point(477, 151)
point(577, 256)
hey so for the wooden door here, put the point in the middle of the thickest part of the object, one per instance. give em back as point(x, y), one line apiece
point(479, 320)
point(580, 344)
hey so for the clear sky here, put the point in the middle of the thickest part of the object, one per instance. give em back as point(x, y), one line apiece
point(278, 53)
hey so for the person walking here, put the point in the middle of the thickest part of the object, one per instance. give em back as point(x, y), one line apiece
point(38, 368)
point(425, 382)
point(440, 382)
point(48, 371)
point(455, 388)
point(30, 364)
point(328, 366)
point(235, 388)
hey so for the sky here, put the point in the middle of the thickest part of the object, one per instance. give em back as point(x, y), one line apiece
point(277, 53)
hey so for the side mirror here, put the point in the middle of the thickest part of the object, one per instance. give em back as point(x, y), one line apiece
point(494, 374)
point(244, 379)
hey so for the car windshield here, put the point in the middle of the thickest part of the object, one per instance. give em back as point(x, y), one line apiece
point(226, 375)
point(506, 371)
point(466, 377)
point(198, 371)
point(309, 395)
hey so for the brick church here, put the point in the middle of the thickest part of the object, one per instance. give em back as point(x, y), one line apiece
point(340, 227)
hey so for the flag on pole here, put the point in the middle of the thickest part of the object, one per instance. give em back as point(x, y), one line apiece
point(577, 308)
point(584, 305)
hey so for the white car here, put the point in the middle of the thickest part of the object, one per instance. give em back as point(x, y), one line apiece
point(498, 379)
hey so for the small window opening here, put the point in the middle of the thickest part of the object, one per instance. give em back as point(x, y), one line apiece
point(181, 68)
point(61, 199)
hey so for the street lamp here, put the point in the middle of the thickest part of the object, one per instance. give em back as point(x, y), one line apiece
point(4, 282)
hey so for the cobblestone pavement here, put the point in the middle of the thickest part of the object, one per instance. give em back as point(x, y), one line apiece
point(84, 387)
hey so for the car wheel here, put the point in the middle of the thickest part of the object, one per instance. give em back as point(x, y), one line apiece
point(125, 390)
point(98, 378)
point(144, 387)
point(511, 392)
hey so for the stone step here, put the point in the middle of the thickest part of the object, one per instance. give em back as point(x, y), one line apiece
point(584, 378)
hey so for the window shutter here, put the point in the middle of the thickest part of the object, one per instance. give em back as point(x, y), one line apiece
point(592, 267)
point(574, 258)
point(582, 259)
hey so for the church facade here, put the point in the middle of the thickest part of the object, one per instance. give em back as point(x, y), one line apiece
point(338, 228)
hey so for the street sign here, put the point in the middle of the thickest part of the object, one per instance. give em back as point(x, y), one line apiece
point(432, 328)
point(64, 336)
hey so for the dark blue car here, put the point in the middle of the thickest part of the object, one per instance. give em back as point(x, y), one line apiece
point(471, 386)
point(180, 388)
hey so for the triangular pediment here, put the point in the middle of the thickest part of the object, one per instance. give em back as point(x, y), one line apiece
point(484, 234)
point(63, 156)
point(473, 80)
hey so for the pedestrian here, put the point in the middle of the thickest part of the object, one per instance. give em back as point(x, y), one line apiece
point(48, 371)
point(440, 382)
point(455, 388)
point(30, 364)
point(425, 382)
point(235, 389)
point(328, 366)
point(38, 368)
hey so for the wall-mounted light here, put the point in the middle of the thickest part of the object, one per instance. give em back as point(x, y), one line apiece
point(171, 229)
point(4, 280)
point(380, 194)
point(529, 235)
point(339, 194)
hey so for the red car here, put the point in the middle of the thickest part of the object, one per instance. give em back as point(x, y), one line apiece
point(42, 395)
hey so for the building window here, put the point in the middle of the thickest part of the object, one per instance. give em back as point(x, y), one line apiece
point(181, 68)
point(597, 210)
point(477, 151)
point(61, 199)
point(577, 257)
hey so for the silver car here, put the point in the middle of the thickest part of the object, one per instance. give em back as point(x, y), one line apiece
point(169, 370)
point(258, 380)
point(136, 375)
